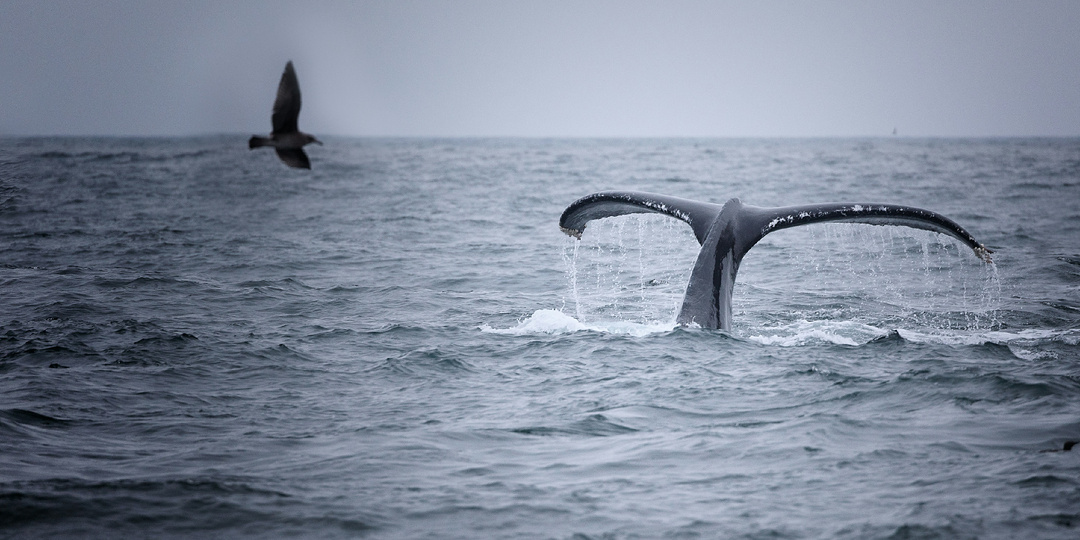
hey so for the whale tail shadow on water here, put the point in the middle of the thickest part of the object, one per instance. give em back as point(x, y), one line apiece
point(726, 233)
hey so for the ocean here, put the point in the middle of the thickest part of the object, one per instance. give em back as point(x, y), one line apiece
point(199, 342)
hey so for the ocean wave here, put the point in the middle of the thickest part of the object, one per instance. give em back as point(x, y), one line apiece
point(30, 418)
point(121, 156)
point(61, 507)
point(799, 333)
point(27, 425)
point(261, 352)
point(1029, 337)
point(424, 360)
point(851, 333)
point(552, 321)
point(595, 425)
point(805, 332)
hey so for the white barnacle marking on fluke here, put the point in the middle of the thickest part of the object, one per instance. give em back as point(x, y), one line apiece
point(777, 221)
point(665, 209)
point(655, 206)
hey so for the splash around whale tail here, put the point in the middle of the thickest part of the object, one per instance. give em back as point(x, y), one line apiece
point(726, 233)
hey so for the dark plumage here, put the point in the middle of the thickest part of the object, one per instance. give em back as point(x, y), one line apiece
point(286, 138)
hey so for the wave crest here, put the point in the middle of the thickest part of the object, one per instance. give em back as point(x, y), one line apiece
point(553, 321)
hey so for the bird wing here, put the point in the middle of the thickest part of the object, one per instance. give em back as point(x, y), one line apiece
point(287, 104)
point(294, 157)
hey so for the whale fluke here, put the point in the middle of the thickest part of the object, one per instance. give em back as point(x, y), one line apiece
point(699, 215)
point(726, 233)
point(286, 137)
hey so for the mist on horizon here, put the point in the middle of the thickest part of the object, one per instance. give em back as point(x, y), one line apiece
point(551, 69)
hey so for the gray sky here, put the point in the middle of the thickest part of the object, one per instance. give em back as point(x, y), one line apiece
point(544, 68)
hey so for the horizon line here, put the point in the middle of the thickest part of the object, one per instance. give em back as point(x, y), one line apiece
point(533, 137)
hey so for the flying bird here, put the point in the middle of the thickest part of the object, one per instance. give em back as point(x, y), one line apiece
point(288, 141)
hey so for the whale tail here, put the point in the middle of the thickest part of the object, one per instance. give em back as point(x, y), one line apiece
point(726, 233)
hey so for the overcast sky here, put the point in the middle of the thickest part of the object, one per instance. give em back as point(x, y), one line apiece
point(544, 68)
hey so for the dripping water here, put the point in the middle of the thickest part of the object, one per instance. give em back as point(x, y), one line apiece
point(635, 268)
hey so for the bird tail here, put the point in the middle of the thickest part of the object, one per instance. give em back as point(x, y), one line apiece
point(255, 141)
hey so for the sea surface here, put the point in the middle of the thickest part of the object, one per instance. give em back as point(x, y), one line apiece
point(199, 342)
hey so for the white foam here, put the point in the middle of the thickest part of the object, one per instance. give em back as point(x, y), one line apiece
point(853, 334)
point(1069, 337)
point(800, 333)
point(551, 321)
point(1032, 354)
point(803, 332)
